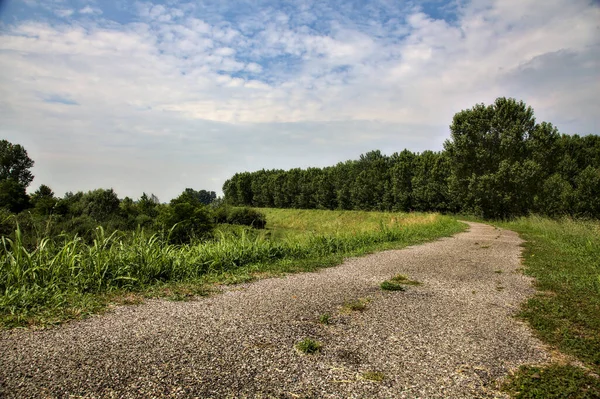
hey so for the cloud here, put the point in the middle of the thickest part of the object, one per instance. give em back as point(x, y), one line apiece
point(90, 10)
point(185, 94)
point(64, 12)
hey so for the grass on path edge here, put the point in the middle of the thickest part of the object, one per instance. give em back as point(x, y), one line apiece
point(82, 305)
point(564, 258)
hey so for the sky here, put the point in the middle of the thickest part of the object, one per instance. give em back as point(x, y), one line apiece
point(157, 96)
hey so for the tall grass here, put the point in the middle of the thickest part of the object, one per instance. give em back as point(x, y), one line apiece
point(59, 270)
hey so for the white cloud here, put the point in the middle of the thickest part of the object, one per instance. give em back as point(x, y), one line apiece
point(90, 10)
point(63, 13)
point(175, 92)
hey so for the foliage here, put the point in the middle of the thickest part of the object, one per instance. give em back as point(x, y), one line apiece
point(13, 196)
point(15, 164)
point(498, 163)
point(247, 217)
point(43, 200)
point(187, 218)
point(309, 346)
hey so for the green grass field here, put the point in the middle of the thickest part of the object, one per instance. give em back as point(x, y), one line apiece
point(66, 278)
point(564, 257)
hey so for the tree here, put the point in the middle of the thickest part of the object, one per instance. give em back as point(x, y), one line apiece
point(401, 176)
point(587, 192)
point(15, 163)
point(43, 200)
point(489, 145)
point(186, 218)
point(13, 196)
point(555, 196)
point(147, 205)
point(101, 204)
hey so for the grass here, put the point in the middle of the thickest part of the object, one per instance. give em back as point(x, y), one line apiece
point(397, 283)
point(309, 346)
point(64, 277)
point(555, 381)
point(373, 376)
point(402, 279)
point(391, 286)
point(325, 318)
point(564, 257)
point(358, 305)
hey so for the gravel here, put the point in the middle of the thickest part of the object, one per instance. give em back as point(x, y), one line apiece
point(453, 336)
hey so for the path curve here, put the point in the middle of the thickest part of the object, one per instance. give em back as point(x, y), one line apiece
point(454, 336)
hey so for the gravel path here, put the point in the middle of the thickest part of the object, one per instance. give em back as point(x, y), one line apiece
point(451, 337)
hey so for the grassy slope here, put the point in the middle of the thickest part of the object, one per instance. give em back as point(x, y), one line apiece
point(564, 257)
point(61, 281)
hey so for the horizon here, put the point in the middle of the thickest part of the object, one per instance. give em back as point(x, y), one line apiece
point(156, 97)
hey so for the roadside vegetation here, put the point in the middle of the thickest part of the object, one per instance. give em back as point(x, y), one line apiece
point(67, 276)
point(564, 257)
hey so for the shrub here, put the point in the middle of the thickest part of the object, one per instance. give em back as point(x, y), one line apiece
point(247, 216)
point(186, 221)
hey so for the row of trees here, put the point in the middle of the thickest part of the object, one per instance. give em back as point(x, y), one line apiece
point(498, 163)
point(192, 215)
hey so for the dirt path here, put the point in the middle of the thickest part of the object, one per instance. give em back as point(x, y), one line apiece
point(453, 336)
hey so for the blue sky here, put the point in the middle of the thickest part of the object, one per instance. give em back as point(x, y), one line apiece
point(158, 96)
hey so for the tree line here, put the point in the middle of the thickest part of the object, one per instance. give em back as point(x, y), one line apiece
point(498, 163)
point(191, 215)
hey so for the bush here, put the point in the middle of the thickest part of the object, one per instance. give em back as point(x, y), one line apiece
point(220, 214)
point(186, 222)
point(247, 217)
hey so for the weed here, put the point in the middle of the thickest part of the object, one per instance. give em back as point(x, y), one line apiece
point(309, 346)
point(402, 279)
point(358, 305)
point(325, 318)
point(373, 376)
point(498, 271)
point(388, 285)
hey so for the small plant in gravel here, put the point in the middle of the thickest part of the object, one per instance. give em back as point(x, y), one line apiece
point(309, 346)
point(373, 376)
point(357, 305)
point(325, 318)
point(388, 285)
point(402, 279)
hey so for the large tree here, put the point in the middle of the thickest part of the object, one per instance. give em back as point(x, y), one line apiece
point(15, 163)
point(488, 152)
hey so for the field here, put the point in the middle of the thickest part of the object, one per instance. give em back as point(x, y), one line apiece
point(64, 277)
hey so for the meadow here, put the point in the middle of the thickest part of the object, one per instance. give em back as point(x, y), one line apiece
point(67, 277)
